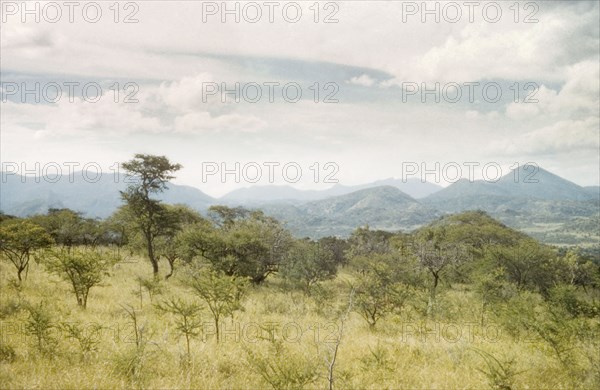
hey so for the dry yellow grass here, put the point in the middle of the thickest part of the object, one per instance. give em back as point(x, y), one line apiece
point(397, 354)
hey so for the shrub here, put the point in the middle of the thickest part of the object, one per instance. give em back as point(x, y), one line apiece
point(7, 353)
point(83, 268)
point(40, 324)
point(221, 293)
point(283, 368)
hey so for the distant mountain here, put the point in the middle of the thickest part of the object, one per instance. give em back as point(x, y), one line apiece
point(551, 209)
point(23, 196)
point(519, 189)
point(384, 207)
point(416, 188)
point(257, 195)
point(546, 206)
point(541, 184)
point(270, 193)
point(594, 191)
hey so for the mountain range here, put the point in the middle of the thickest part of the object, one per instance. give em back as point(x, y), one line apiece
point(383, 207)
point(288, 194)
point(543, 204)
point(24, 196)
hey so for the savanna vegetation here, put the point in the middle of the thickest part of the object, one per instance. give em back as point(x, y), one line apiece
point(160, 296)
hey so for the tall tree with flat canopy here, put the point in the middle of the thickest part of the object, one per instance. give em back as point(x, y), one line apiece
point(150, 174)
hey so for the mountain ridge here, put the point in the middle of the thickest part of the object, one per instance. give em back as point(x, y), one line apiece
point(23, 196)
point(286, 193)
point(541, 207)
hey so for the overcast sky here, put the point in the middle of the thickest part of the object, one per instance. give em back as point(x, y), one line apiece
point(369, 59)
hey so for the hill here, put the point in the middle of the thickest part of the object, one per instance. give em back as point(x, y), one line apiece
point(512, 189)
point(257, 195)
point(383, 207)
point(542, 204)
point(23, 196)
point(551, 209)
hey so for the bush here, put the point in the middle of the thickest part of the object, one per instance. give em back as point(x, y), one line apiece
point(499, 373)
point(83, 268)
point(568, 298)
point(283, 368)
point(40, 324)
point(88, 338)
point(222, 293)
point(7, 353)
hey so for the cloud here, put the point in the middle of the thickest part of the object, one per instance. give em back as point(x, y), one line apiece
point(370, 37)
point(171, 107)
point(540, 52)
point(27, 38)
point(185, 95)
point(203, 121)
point(170, 54)
point(579, 97)
point(363, 80)
point(565, 137)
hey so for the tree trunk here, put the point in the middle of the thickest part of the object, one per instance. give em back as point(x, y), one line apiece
point(85, 297)
point(171, 261)
point(431, 303)
point(217, 328)
point(151, 255)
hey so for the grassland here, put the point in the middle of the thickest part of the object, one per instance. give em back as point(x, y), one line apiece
point(281, 339)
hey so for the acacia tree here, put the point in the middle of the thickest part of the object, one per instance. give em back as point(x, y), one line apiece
point(307, 263)
point(528, 264)
point(258, 244)
point(436, 253)
point(385, 284)
point(19, 239)
point(387, 275)
point(364, 241)
point(169, 243)
point(150, 175)
point(337, 247)
point(221, 293)
point(187, 321)
point(69, 228)
point(83, 268)
point(239, 243)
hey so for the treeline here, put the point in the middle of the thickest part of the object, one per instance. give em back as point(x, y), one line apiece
point(466, 248)
point(388, 269)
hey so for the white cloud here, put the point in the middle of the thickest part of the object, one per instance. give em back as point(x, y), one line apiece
point(186, 95)
point(564, 137)
point(171, 53)
point(203, 121)
point(410, 51)
point(363, 80)
point(172, 107)
point(579, 97)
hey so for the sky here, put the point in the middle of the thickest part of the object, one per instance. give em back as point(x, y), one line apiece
point(303, 93)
